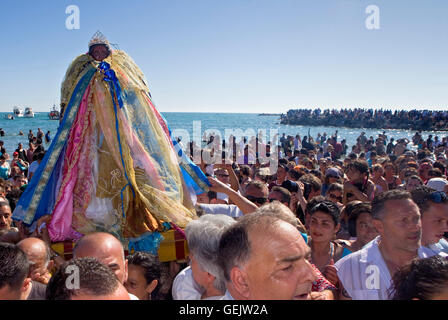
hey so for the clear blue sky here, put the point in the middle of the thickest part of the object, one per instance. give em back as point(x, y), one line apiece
point(237, 55)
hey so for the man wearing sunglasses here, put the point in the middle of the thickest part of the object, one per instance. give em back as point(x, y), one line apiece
point(433, 207)
point(223, 176)
point(257, 192)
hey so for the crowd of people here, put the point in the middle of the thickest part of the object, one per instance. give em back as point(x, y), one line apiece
point(16, 171)
point(368, 118)
point(328, 222)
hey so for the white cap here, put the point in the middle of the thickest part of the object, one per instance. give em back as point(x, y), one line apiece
point(437, 184)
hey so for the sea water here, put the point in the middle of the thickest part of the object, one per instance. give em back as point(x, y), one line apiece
point(196, 123)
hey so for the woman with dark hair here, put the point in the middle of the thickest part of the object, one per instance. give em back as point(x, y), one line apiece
point(144, 273)
point(324, 224)
point(422, 279)
point(360, 226)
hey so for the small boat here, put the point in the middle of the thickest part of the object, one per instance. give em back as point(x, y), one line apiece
point(18, 112)
point(9, 116)
point(29, 113)
point(54, 114)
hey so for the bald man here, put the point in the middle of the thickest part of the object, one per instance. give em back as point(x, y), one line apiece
point(39, 257)
point(108, 250)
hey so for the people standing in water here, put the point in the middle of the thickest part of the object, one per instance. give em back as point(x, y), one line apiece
point(30, 136)
point(47, 137)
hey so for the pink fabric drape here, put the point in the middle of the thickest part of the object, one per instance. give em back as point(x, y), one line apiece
point(59, 227)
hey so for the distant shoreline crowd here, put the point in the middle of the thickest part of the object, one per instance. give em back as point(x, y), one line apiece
point(426, 120)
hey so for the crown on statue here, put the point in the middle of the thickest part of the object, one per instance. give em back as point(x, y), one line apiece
point(98, 38)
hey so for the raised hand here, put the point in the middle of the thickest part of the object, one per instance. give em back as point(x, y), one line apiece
point(217, 185)
point(331, 273)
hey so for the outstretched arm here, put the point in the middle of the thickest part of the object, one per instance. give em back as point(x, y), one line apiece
point(241, 202)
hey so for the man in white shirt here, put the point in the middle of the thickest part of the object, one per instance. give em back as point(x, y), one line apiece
point(367, 273)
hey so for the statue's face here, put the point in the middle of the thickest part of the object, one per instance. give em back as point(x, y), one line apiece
point(99, 52)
